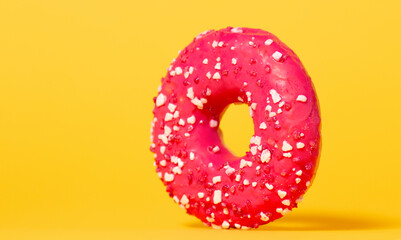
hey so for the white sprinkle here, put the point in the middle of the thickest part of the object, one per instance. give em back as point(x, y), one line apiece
point(167, 131)
point(265, 156)
point(216, 149)
point(176, 199)
point(301, 98)
point(269, 186)
point(191, 119)
point(232, 48)
point(198, 102)
point(236, 30)
point(162, 149)
point(163, 138)
point(268, 108)
point(250, 43)
point(238, 226)
point(234, 61)
point(168, 177)
point(176, 114)
point(209, 219)
point(225, 225)
point(245, 163)
point(181, 122)
point(281, 193)
point(214, 226)
point(190, 93)
point(300, 145)
point(214, 44)
point(268, 42)
point(176, 170)
point(277, 55)
point(254, 184)
point(298, 173)
point(217, 197)
point(210, 165)
point(216, 76)
point(263, 125)
point(201, 194)
point(217, 66)
point(191, 156)
point(213, 123)
point(229, 170)
point(253, 106)
point(161, 100)
point(286, 146)
point(264, 217)
point(297, 180)
point(238, 178)
point(171, 107)
point(272, 114)
point(163, 163)
point(307, 183)
point(187, 134)
point(275, 96)
point(216, 179)
point(208, 92)
point(254, 150)
point(281, 104)
point(299, 199)
point(221, 44)
point(184, 199)
point(180, 163)
point(279, 111)
point(168, 117)
point(287, 155)
point(285, 211)
point(248, 94)
point(225, 211)
point(218, 59)
point(191, 70)
point(178, 70)
point(255, 140)
point(175, 159)
point(286, 202)
point(246, 182)
point(172, 73)
point(208, 75)
point(201, 35)
point(205, 61)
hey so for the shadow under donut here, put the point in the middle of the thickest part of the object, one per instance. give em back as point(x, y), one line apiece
point(323, 221)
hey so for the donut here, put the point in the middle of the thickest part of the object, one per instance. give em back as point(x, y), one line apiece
point(218, 68)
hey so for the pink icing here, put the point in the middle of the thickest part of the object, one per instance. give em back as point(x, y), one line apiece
point(219, 68)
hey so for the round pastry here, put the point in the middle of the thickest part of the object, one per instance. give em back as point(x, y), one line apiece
point(236, 65)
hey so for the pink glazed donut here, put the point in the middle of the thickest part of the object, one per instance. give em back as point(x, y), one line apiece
point(236, 65)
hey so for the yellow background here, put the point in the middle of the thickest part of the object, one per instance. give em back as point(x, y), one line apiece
point(77, 80)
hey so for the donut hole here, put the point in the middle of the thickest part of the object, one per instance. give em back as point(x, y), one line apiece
point(237, 128)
